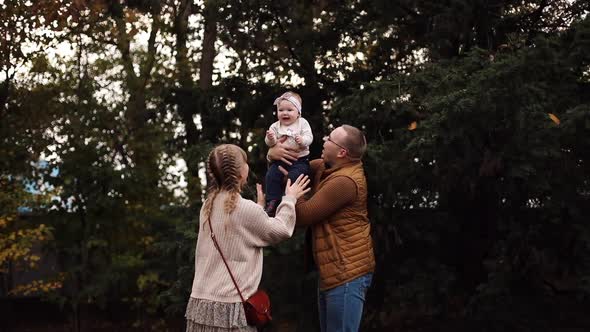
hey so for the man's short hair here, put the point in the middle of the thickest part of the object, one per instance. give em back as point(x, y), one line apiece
point(355, 141)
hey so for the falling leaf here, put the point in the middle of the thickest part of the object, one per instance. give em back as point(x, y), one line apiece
point(412, 126)
point(554, 118)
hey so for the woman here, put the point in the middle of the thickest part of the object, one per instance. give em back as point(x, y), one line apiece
point(242, 229)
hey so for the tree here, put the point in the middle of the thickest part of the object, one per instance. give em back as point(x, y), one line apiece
point(497, 149)
point(465, 103)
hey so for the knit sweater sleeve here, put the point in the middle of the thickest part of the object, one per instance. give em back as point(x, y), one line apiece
point(262, 230)
point(306, 133)
point(333, 196)
point(275, 129)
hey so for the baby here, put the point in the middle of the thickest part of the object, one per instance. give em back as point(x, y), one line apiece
point(296, 133)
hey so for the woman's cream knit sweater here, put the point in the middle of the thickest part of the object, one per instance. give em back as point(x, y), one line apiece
point(241, 236)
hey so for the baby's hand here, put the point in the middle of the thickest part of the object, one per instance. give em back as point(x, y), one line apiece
point(298, 139)
point(270, 135)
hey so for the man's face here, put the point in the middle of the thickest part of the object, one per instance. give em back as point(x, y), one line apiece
point(333, 147)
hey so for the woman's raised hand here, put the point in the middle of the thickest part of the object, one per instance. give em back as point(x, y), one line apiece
point(297, 188)
point(260, 198)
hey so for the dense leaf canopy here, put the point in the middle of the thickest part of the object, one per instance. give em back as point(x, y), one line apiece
point(477, 115)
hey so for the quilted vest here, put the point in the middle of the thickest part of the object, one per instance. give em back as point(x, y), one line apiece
point(342, 245)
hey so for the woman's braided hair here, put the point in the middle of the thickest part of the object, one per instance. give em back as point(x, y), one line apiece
point(223, 171)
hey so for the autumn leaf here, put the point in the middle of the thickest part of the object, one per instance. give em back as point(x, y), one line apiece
point(554, 118)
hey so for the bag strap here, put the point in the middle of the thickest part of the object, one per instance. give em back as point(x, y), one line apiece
point(223, 258)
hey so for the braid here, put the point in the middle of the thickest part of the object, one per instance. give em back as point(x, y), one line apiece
point(223, 171)
point(229, 168)
point(209, 205)
point(214, 184)
point(230, 203)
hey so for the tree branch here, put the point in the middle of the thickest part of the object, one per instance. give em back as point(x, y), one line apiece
point(149, 64)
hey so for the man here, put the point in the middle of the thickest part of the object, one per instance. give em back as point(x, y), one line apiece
point(337, 215)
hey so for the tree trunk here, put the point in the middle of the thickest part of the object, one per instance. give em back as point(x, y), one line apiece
point(206, 69)
point(185, 101)
point(311, 94)
point(4, 89)
point(141, 135)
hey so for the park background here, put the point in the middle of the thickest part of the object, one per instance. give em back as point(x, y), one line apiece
point(477, 114)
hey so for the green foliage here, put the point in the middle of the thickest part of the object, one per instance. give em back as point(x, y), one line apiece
point(477, 115)
point(511, 181)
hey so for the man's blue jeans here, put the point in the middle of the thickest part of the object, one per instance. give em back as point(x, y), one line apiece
point(341, 308)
